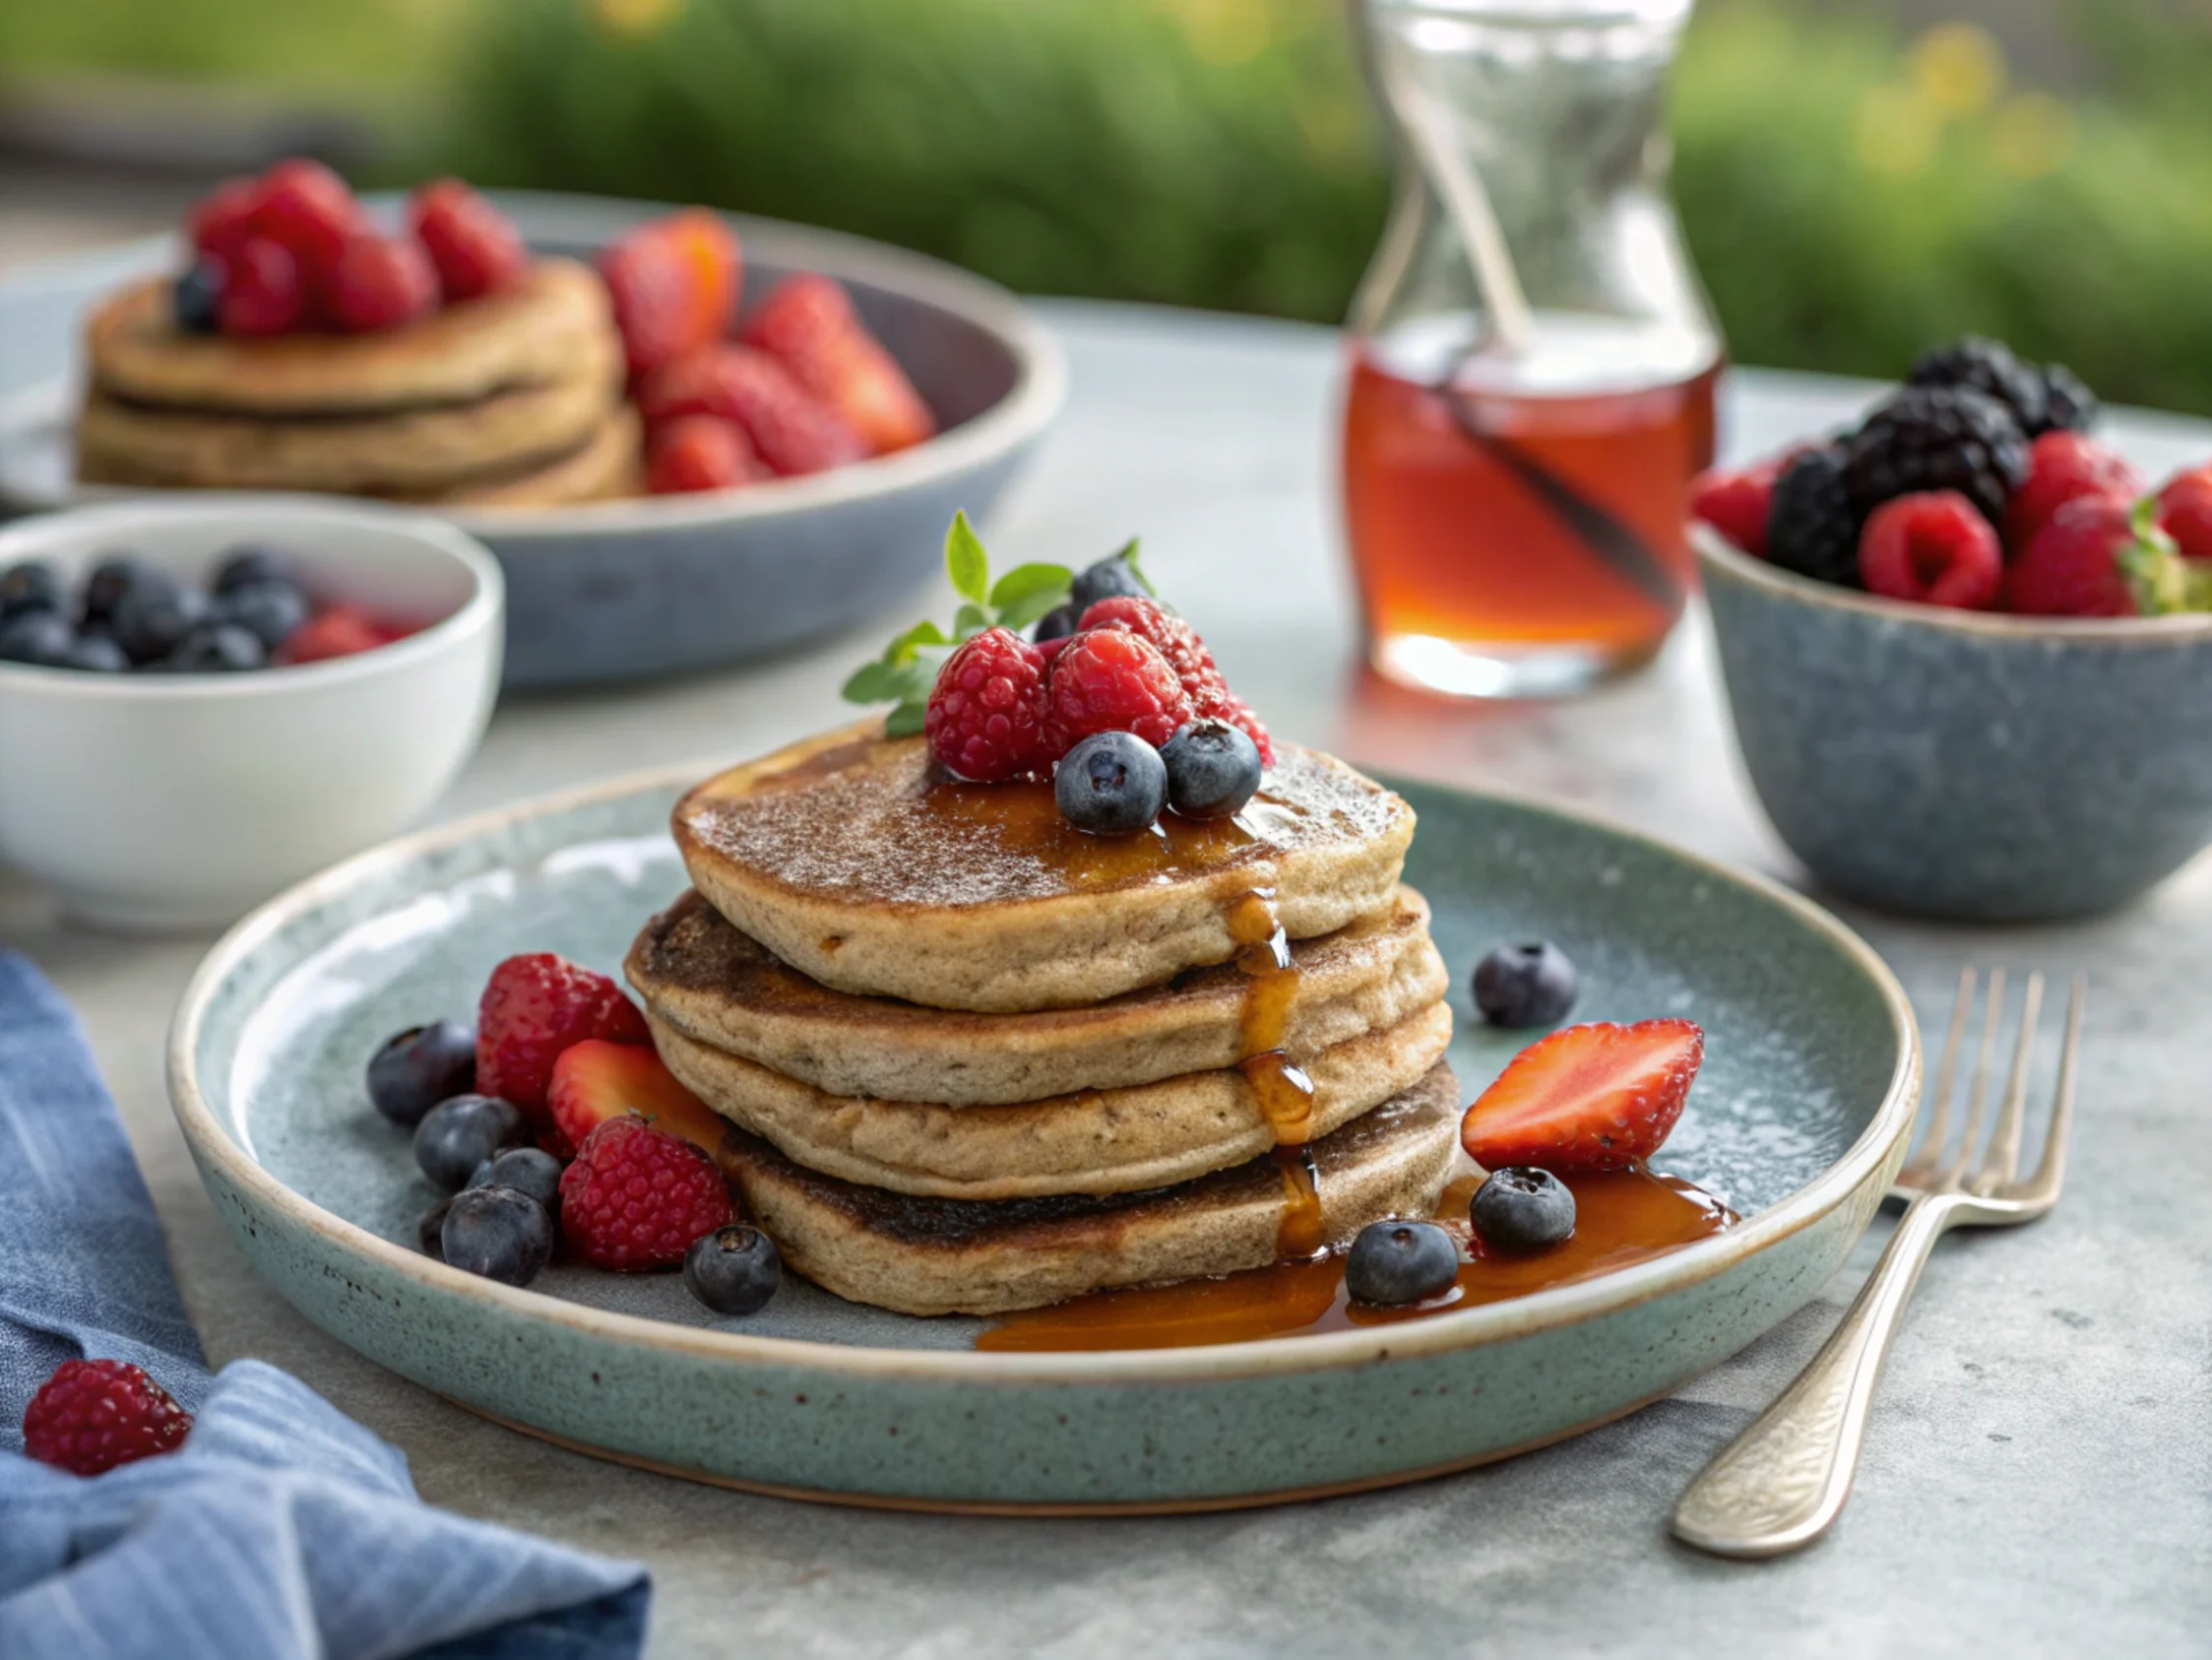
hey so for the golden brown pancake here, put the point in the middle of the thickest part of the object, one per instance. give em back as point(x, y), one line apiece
point(853, 861)
point(940, 1256)
point(1097, 1141)
point(717, 986)
point(408, 450)
point(532, 334)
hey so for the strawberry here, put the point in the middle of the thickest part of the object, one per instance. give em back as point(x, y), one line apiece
point(808, 325)
point(596, 1080)
point(2185, 512)
point(2063, 467)
point(2072, 567)
point(674, 284)
point(533, 1007)
point(793, 430)
point(700, 452)
point(1596, 1097)
point(337, 631)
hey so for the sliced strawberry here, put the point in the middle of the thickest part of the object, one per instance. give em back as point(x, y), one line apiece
point(535, 1007)
point(1596, 1097)
point(808, 324)
point(596, 1080)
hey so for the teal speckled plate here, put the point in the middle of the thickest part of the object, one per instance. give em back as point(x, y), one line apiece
point(1798, 1119)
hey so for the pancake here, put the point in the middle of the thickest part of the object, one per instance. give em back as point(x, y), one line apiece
point(410, 450)
point(532, 334)
point(703, 979)
point(942, 1256)
point(1099, 1142)
point(852, 861)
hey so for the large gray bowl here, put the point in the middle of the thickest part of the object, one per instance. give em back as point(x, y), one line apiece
point(1959, 764)
point(628, 590)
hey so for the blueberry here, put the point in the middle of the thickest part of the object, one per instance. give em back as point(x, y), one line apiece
point(216, 648)
point(30, 586)
point(40, 638)
point(97, 654)
point(734, 1270)
point(429, 1233)
point(1111, 784)
point(1114, 575)
point(1525, 985)
point(456, 1136)
point(1521, 1208)
point(527, 1170)
point(268, 611)
point(111, 579)
point(1055, 624)
point(1394, 1262)
point(498, 1233)
point(419, 1067)
point(247, 564)
point(1213, 770)
point(196, 295)
point(154, 618)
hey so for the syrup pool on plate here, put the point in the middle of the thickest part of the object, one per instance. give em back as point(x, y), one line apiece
point(1517, 523)
point(1622, 1217)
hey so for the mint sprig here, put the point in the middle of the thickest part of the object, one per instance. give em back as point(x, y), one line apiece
point(908, 668)
point(2164, 582)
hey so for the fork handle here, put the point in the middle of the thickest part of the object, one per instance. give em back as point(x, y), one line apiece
point(1782, 1483)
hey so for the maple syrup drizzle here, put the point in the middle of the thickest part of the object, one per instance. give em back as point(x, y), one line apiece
point(1283, 1092)
point(1622, 1217)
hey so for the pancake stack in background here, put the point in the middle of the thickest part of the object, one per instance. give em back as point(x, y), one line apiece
point(514, 398)
point(979, 1061)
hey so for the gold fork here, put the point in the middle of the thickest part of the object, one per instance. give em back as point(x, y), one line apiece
point(1782, 1483)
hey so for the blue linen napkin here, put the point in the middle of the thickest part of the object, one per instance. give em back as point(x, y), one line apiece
point(281, 1528)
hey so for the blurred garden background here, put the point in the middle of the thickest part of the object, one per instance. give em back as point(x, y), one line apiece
point(1859, 177)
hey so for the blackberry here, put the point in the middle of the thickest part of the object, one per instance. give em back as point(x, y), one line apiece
point(2072, 407)
point(1811, 526)
point(1937, 438)
point(1987, 366)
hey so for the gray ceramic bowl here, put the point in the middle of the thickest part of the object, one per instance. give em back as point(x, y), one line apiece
point(1960, 764)
point(629, 590)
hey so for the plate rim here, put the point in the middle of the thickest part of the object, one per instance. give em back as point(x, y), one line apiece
point(1674, 1271)
point(1037, 395)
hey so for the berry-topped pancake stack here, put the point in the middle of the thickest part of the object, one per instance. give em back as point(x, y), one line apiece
point(1087, 983)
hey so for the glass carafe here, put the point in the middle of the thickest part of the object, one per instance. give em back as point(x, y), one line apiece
point(1532, 357)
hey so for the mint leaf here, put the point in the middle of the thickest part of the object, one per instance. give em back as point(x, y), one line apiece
point(877, 683)
point(902, 650)
point(970, 620)
point(965, 562)
point(1021, 615)
point(1130, 555)
point(906, 719)
point(1026, 582)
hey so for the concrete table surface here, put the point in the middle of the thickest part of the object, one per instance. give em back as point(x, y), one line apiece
point(2038, 1478)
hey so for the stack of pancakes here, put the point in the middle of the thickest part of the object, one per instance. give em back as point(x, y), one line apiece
point(977, 1061)
point(514, 399)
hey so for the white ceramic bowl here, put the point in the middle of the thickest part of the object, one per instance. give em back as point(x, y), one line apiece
point(156, 801)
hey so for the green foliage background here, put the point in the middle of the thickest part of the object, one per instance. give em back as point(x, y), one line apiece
point(1220, 152)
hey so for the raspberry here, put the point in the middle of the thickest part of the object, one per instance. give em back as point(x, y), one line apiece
point(379, 283)
point(533, 1007)
point(1171, 636)
point(339, 631)
point(700, 452)
point(986, 718)
point(2185, 512)
point(93, 1415)
point(309, 210)
point(674, 287)
point(2063, 466)
point(222, 220)
point(794, 431)
point(1932, 549)
point(474, 246)
point(263, 293)
point(636, 1197)
point(2072, 566)
point(1237, 713)
point(1737, 503)
point(1113, 679)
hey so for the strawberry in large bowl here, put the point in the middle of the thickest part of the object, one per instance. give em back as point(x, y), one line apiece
point(1967, 648)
